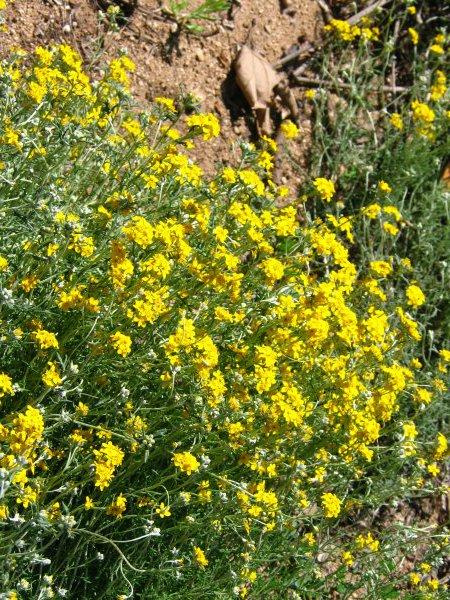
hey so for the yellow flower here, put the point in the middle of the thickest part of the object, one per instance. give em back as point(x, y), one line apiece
point(347, 558)
point(422, 396)
point(393, 211)
point(166, 102)
point(441, 446)
point(384, 187)
point(6, 385)
point(51, 249)
point(309, 538)
point(200, 557)
point(414, 36)
point(325, 188)
point(82, 245)
point(433, 583)
point(139, 230)
point(107, 459)
point(396, 121)
point(117, 507)
point(331, 505)
point(343, 29)
point(372, 211)
point(186, 462)
point(289, 129)
point(390, 228)
point(163, 511)
point(82, 408)
point(381, 267)
point(436, 49)
point(51, 377)
point(433, 469)
point(121, 343)
point(208, 124)
point(422, 112)
point(415, 296)
point(273, 269)
point(439, 87)
point(29, 283)
point(367, 541)
point(45, 339)
point(3, 263)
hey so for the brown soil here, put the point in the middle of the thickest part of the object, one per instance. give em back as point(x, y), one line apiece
point(202, 65)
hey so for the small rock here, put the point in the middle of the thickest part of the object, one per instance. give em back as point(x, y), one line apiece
point(267, 28)
point(199, 55)
point(66, 28)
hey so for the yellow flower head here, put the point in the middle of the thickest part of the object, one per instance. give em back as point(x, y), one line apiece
point(415, 296)
point(289, 129)
point(200, 557)
point(331, 505)
point(121, 343)
point(186, 462)
point(325, 188)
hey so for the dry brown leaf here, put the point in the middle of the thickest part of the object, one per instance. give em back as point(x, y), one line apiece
point(256, 78)
point(445, 175)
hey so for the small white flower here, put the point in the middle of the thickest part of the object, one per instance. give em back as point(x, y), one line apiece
point(24, 585)
point(68, 520)
point(17, 519)
point(205, 461)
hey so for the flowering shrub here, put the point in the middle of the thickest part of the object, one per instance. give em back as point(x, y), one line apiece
point(198, 393)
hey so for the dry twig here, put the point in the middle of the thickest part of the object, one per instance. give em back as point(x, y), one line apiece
point(327, 14)
point(305, 48)
point(367, 11)
point(308, 81)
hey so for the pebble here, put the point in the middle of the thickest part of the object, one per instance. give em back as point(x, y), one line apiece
point(66, 28)
point(199, 55)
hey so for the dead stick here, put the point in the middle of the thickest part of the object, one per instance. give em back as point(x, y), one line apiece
point(337, 84)
point(305, 48)
point(367, 11)
point(326, 10)
point(394, 62)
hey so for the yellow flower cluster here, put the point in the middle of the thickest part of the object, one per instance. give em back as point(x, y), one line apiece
point(252, 339)
point(107, 459)
point(325, 188)
point(347, 32)
point(186, 462)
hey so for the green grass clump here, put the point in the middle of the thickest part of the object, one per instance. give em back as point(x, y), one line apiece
point(368, 134)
